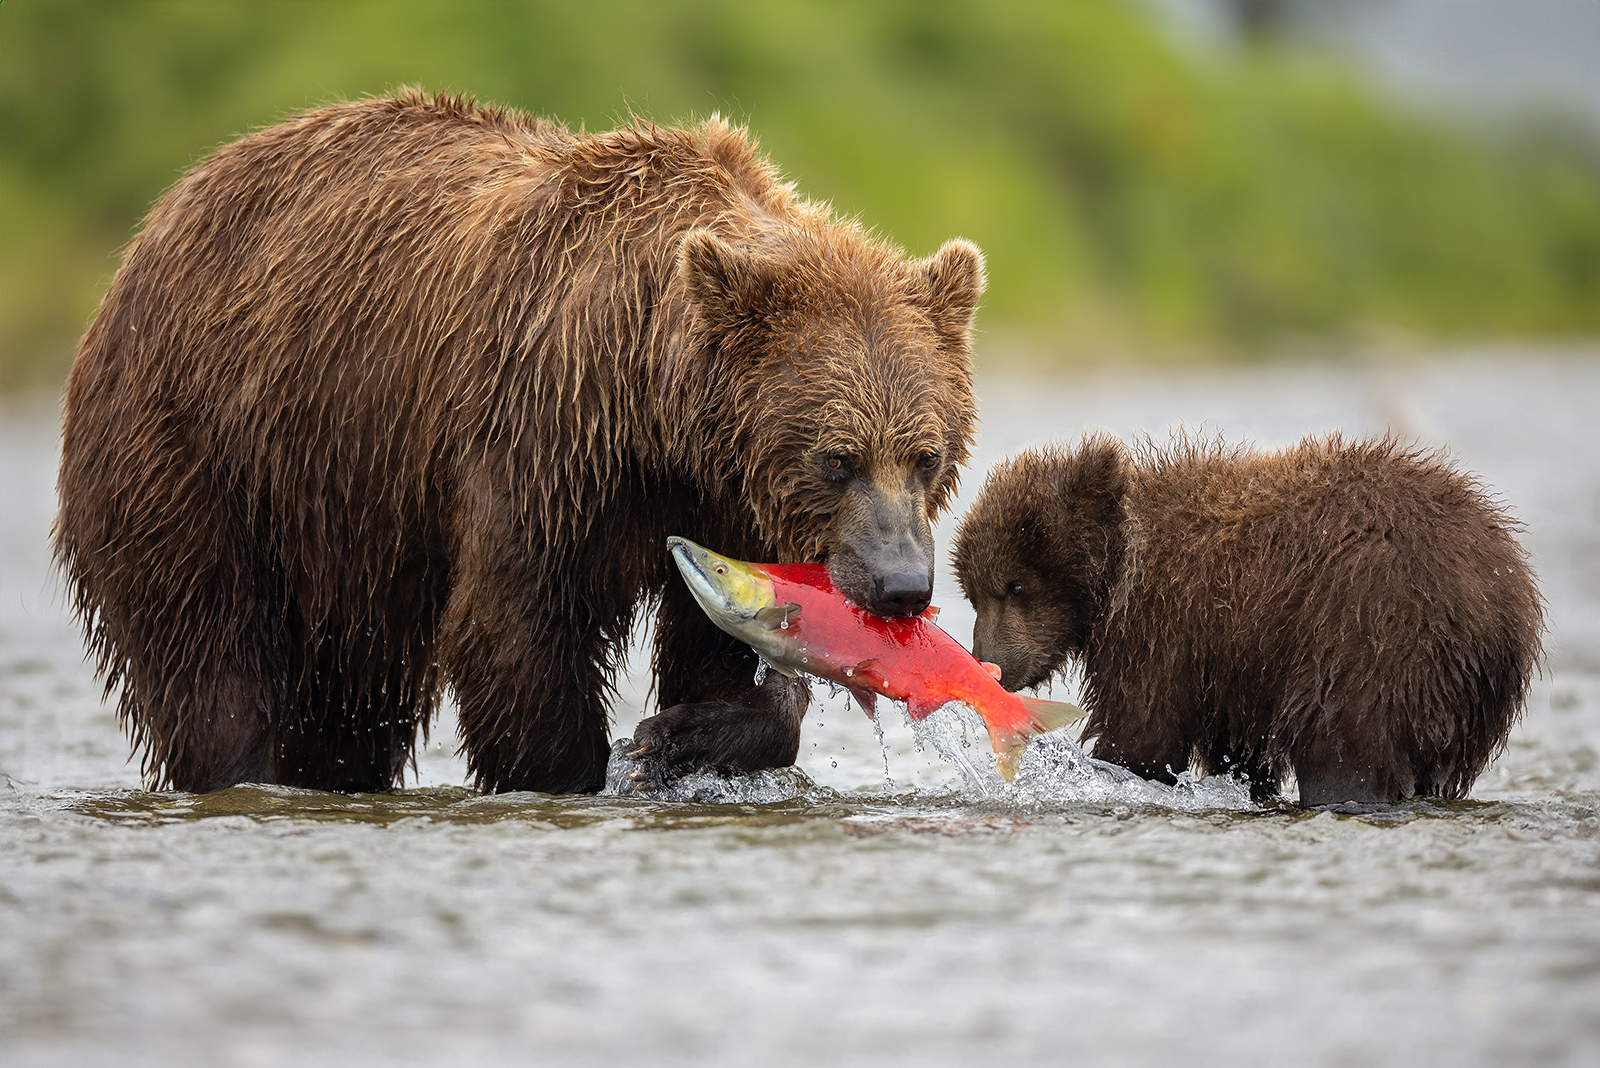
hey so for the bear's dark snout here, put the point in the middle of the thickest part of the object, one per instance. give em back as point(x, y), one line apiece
point(902, 593)
point(883, 548)
point(886, 580)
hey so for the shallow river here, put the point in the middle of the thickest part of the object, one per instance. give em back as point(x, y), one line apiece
point(878, 905)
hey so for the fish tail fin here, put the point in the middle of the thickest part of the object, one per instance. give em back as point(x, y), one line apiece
point(1043, 716)
point(1051, 715)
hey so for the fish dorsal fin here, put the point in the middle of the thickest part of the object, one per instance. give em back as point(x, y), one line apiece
point(778, 616)
point(1051, 715)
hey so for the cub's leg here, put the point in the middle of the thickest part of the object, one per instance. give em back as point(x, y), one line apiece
point(1146, 725)
point(1337, 762)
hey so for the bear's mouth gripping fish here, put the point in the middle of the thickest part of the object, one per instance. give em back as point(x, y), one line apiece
point(796, 621)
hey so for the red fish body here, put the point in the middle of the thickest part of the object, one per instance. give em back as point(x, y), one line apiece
point(907, 658)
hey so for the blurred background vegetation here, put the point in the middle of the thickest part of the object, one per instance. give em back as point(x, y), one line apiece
point(1135, 198)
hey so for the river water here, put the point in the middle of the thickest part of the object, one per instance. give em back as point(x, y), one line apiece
point(876, 905)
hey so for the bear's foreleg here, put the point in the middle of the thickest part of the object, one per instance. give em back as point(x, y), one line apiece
point(531, 685)
point(714, 713)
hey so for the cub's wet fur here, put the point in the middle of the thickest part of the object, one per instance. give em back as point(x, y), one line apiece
point(1357, 613)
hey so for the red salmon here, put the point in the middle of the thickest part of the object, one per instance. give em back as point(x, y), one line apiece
point(796, 620)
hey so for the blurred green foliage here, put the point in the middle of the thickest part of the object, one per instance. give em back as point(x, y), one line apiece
point(1129, 196)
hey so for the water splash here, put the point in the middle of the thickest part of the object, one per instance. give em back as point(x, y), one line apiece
point(712, 786)
point(761, 670)
point(1054, 771)
point(883, 747)
point(949, 733)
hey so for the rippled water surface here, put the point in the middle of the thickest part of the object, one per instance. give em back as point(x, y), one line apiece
point(876, 904)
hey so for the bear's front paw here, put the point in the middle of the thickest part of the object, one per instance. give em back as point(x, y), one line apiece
point(660, 751)
point(727, 735)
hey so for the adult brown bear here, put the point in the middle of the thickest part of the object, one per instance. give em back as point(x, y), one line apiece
point(1357, 613)
point(408, 393)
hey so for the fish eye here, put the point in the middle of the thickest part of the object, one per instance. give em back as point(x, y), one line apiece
point(722, 569)
point(1016, 589)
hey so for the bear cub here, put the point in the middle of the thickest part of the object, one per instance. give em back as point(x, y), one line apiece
point(1357, 613)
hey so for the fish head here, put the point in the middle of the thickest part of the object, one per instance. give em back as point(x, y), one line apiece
point(731, 592)
point(739, 598)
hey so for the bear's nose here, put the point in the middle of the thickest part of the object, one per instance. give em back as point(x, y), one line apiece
point(901, 593)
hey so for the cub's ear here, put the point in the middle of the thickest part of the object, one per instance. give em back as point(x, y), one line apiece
point(954, 276)
point(726, 284)
point(1094, 478)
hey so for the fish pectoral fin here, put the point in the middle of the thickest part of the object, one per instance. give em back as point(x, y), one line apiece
point(930, 613)
point(867, 699)
point(778, 615)
point(1051, 715)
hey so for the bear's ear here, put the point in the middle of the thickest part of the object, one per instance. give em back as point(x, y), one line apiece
point(954, 276)
point(1094, 478)
point(725, 283)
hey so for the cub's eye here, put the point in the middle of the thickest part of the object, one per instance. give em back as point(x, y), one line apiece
point(929, 461)
point(1016, 589)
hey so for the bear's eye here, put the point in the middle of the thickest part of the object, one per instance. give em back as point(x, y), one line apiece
point(1016, 589)
point(928, 462)
point(837, 465)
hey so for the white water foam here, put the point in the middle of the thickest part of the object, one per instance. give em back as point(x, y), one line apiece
point(1055, 771)
point(710, 786)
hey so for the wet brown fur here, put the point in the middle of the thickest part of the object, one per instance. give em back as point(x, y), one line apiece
point(1357, 613)
point(408, 393)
